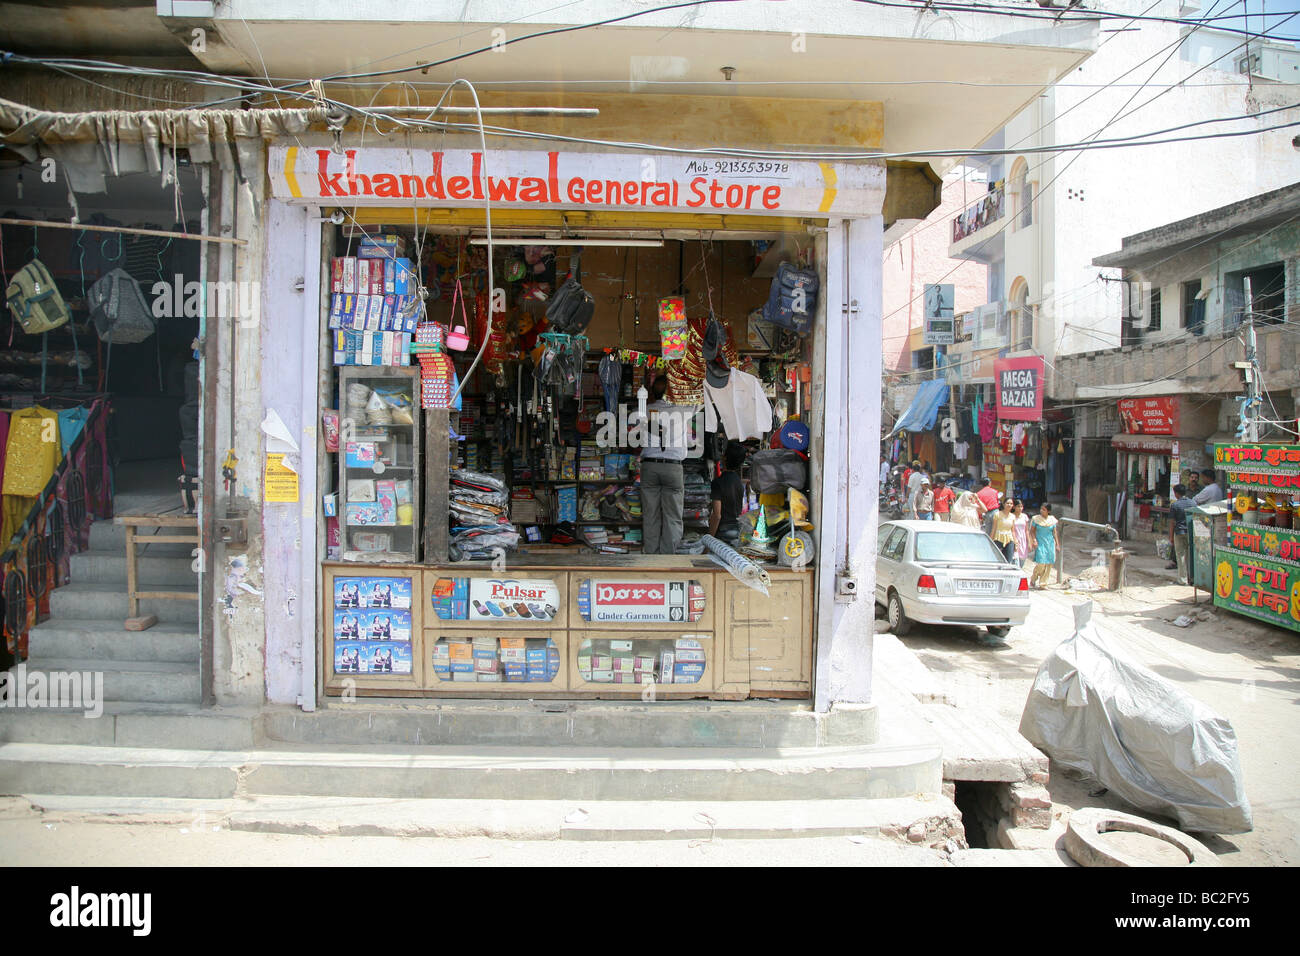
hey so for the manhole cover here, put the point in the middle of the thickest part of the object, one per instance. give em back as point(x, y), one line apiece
point(1100, 837)
point(1152, 851)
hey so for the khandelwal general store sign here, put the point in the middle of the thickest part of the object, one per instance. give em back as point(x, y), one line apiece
point(566, 180)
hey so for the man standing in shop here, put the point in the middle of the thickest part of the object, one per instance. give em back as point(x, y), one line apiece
point(1210, 491)
point(662, 487)
point(727, 496)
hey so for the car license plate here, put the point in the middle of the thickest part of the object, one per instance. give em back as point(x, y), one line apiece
point(978, 587)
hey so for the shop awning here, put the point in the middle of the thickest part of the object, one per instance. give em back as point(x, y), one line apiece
point(923, 411)
point(1150, 444)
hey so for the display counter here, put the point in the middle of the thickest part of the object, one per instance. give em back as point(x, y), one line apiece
point(606, 627)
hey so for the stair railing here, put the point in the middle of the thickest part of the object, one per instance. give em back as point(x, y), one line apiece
point(38, 557)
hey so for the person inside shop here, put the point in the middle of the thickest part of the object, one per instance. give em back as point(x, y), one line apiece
point(1178, 530)
point(1210, 491)
point(1003, 532)
point(727, 495)
point(884, 474)
point(944, 497)
point(922, 503)
point(662, 485)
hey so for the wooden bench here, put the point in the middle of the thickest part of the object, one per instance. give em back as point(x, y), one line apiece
point(163, 516)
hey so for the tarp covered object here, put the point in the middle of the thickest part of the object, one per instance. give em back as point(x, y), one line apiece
point(1146, 740)
point(921, 414)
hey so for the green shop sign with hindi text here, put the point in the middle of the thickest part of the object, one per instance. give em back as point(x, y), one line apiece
point(1262, 468)
point(1267, 542)
point(1257, 587)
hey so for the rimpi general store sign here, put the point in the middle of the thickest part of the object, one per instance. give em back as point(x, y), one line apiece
point(565, 180)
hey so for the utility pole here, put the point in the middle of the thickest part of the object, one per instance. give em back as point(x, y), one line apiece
point(1249, 429)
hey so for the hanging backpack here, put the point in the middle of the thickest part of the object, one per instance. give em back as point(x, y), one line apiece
point(118, 309)
point(792, 300)
point(570, 309)
point(34, 299)
point(776, 469)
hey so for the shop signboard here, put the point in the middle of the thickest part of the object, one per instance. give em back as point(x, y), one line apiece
point(1019, 388)
point(1267, 469)
point(1257, 587)
point(1268, 542)
point(645, 601)
point(940, 327)
point(1149, 416)
point(661, 182)
point(496, 599)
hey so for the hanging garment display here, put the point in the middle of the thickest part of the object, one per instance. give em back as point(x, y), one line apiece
point(741, 406)
point(988, 423)
point(32, 452)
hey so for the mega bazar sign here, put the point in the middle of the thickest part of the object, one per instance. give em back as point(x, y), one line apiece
point(1019, 388)
point(1257, 587)
point(1257, 467)
point(563, 180)
point(641, 601)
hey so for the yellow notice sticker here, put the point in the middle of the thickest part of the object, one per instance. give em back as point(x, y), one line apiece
point(281, 482)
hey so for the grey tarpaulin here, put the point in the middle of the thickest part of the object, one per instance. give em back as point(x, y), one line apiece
point(1152, 744)
point(742, 569)
point(91, 146)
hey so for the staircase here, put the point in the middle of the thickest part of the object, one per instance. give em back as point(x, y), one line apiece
point(158, 666)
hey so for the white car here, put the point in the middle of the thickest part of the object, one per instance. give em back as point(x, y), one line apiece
point(937, 572)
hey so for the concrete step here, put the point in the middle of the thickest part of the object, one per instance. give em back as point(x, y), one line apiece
point(110, 538)
point(135, 724)
point(145, 681)
point(109, 567)
point(487, 773)
point(614, 724)
point(928, 819)
point(98, 601)
point(108, 641)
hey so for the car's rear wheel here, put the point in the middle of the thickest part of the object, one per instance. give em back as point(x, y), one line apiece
point(898, 621)
point(1000, 632)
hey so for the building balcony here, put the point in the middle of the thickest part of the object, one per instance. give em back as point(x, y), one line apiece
point(977, 229)
point(1191, 363)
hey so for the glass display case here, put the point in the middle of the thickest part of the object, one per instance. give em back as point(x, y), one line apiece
point(379, 456)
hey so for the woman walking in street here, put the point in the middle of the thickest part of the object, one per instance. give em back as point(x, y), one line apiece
point(1021, 521)
point(1044, 537)
point(1003, 531)
point(966, 510)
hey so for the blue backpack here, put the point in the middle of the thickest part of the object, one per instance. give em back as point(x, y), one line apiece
point(792, 300)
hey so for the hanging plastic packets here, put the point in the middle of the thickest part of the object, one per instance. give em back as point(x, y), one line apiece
point(437, 371)
point(673, 328)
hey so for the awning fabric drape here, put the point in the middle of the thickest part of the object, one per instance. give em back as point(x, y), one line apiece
point(90, 146)
point(921, 414)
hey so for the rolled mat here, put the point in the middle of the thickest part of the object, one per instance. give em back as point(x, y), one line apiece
point(742, 569)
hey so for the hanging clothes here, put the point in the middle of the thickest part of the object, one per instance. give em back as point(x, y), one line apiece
point(4, 442)
point(988, 424)
point(741, 405)
point(32, 452)
point(71, 422)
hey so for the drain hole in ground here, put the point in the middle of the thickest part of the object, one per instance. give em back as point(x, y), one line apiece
point(977, 801)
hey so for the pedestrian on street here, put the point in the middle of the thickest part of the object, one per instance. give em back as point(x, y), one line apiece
point(1004, 531)
point(923, 501)
point(989, 498)
point(1021, 521)
point(943, 499)
point(1178, 530)
point(912, 480)
point(1044, 538)
point(884, 474)
point(966, 510)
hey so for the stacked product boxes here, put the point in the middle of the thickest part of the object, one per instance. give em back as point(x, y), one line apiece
point(373, 304)
point(487, 659)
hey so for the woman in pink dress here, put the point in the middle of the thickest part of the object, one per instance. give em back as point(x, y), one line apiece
point(1021, 531)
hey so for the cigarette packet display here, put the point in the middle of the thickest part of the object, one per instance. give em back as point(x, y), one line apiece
point(349, 274)
point(362, 267)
